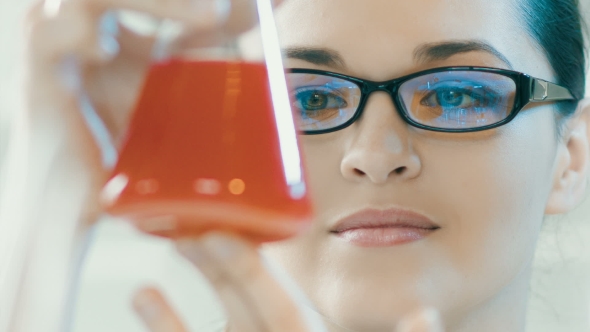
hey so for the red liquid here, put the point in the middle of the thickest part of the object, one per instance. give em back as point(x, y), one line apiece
point(202, 153)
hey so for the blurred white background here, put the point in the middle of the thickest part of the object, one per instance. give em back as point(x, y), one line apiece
point(120, 260)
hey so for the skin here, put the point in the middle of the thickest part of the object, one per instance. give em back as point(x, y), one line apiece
point(488, 191)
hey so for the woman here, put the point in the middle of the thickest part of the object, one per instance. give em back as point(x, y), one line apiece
point(475, 199)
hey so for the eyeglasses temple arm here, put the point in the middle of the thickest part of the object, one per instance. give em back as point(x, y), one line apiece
point(546, 91)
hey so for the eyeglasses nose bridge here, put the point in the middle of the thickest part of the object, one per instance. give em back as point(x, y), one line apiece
point(371, 87)
point(389, 87)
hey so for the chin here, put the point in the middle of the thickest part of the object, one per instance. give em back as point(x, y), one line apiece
point(373, 302)
point(366, 317)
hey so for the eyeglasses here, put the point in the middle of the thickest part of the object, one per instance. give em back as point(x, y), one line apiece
point(448, 99)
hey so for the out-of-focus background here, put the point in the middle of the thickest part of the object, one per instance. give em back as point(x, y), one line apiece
point(120, 260)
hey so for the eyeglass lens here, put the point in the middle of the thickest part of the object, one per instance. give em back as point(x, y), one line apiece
point(446, 100)
point(322, 102)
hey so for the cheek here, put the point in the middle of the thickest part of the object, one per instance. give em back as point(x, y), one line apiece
point(506, 176)
point(491, 195)
point(323, 155)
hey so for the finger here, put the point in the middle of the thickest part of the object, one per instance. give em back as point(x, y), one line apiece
point(253, 299)
point(156, 313)
point(89, 28)
point(185, 10)
point(425, 320)
point(238, 15)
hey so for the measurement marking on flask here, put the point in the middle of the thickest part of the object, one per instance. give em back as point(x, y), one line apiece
point(147, 186)
point(237, 186)
point(207, 186)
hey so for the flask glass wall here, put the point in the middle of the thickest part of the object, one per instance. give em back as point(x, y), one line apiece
point(211, 143)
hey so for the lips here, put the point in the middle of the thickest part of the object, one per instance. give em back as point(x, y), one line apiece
point(382, 228)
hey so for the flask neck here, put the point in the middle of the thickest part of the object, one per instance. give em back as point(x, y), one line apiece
point(188, 46)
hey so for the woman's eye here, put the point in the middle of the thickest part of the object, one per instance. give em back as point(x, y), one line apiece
point(450, 98)
point(455, 98)
point(464, 104)
point(316, 100)
point(318, 105)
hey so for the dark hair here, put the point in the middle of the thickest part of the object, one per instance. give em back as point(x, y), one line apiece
point(557, 27)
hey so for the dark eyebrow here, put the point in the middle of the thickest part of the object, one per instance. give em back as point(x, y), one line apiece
point(444, 50)
point(423, 53)
point(317, 56)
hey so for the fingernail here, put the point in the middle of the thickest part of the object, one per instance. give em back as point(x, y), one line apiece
point(222, 247)
point(147, 306)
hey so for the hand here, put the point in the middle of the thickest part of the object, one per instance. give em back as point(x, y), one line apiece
point(78, 62)
point(253, 298)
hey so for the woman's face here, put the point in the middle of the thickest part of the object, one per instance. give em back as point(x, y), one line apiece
point(487, 191)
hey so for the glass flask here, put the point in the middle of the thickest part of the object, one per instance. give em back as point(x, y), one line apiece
point(212, 143)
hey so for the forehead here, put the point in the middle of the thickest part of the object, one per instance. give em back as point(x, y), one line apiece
point(377, 38)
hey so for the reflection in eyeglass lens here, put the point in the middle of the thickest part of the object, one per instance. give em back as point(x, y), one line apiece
point(322, 102)
point(447, 100)
point(458, 99)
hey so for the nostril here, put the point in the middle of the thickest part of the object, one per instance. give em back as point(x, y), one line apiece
point(358, 172)
point(400, 170)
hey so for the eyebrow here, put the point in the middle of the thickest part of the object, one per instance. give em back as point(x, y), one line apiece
point(317, 56)
point(442, 51)
point(423, 53)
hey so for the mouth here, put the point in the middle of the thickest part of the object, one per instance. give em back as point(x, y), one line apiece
point(383, 228)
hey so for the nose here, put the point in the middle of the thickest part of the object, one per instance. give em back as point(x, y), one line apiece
point(380, 148)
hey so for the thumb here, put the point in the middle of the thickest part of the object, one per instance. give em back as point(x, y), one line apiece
point(425, 320)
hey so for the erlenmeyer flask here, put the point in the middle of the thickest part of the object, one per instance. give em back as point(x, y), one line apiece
point(212, 143)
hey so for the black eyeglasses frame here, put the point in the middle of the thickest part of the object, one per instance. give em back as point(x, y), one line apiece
point(528, 90)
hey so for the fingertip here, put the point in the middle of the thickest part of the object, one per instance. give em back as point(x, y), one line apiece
point(148, 303)
point(156, 312)
point(276, 3)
